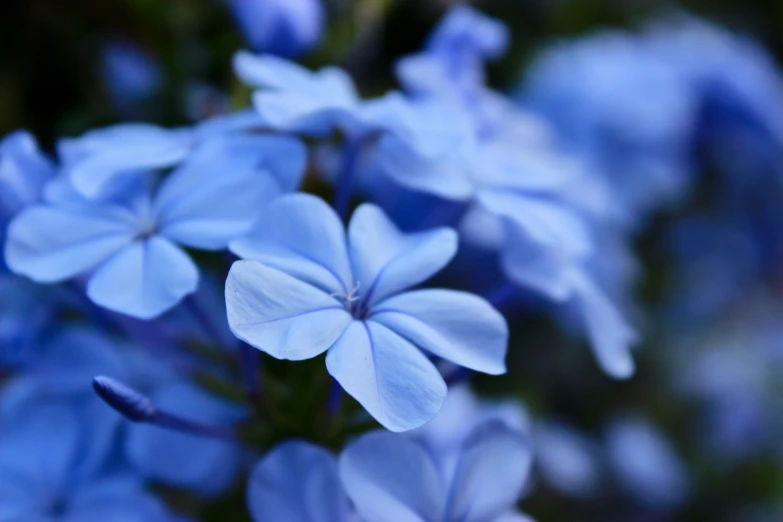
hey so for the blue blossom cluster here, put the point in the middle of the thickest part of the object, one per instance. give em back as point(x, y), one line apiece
point(161, 287)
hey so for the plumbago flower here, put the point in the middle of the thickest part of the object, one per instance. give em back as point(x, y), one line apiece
point(390, 477)
point(43, 476)
point(298, 482)
point(72, 357)
point(130, 244)
point(306, 288)
point(511, 175)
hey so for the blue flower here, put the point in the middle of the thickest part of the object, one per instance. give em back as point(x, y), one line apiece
point(740, 91)
point(297, 482)
point(130, 245)
point(280, 27)
point(42, 475)
point(451, 64)
point(631, 117)
point(390, 477)
point(293, 99)
point(310, 289)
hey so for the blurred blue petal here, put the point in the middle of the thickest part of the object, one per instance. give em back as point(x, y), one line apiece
point(49, 244)
point(610, 335)
point(492, 470)
point(390, 478)
point(645, 464)
point(297, 482)
point(145, 279)
point(24, 170)
point(198, 208)
point(94, 161)
point(280, 27)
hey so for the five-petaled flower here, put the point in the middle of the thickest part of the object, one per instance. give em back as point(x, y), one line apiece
point(306, 287)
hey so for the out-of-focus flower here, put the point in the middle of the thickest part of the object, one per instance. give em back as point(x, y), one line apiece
point(316, 289)
point(280, 27)
point(130, 244)
point(298, 482)
point(630, 116)
point(43, 476)
point(130, 74)
point(740, 93)
point(509, 169)
point(645, 464)
point(391, 477)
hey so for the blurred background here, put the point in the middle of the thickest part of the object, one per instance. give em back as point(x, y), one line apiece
point(697, 434)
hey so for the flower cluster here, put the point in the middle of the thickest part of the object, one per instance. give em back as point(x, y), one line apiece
point(162, 287)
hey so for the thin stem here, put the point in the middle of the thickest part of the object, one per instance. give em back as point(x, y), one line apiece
point(174, 422)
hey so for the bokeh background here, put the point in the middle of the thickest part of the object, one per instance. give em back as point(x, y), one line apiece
point(710, 391)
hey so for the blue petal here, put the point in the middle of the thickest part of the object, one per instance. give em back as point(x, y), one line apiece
point(49, 244)
point(386, 261)
point(145, 279)
point(609, 333)
point(545, 269)
point(298, 100)
point(457, 326)
point(270, 71)
point(24, 170)
point(198, 208)
point(297, 482)
point(37, 451)
point(206, 464)
point(95, 160)
point(281, 315)
point(544, 220)
point(390, 478)
point(490, 475)
point(301, 235)
point(390, 377)
point(645, 463)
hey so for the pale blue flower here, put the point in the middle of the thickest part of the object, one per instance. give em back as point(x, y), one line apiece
point(281, 27)
point(390, 477)
point(130, 245)
point(43, 478)
point(630, 116)
point(298, 482)
point(312, 288)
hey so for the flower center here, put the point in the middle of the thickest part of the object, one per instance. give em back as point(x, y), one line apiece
point(354, 303)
